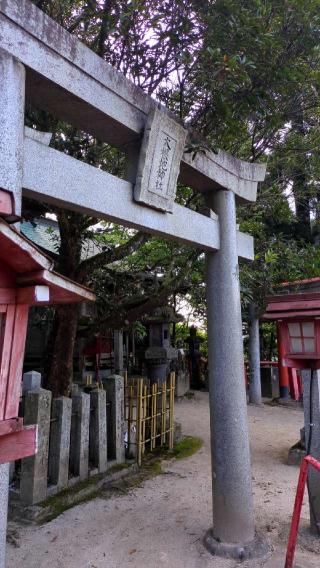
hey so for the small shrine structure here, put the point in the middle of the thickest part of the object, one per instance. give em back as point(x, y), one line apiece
point(296, 311)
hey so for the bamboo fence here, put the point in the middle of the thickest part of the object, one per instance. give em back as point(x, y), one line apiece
point(149, 414)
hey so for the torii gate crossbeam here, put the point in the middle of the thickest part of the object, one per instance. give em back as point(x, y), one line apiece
point(41, 62)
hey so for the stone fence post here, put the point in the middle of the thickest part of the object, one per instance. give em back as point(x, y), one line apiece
point(98, 430)
point(59, 449)
point(34, 469)
point(79, 444)
point(114, 387)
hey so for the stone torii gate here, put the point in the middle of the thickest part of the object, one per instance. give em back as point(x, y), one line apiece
point(42, 63)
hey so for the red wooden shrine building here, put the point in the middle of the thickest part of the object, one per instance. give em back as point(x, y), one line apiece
point(297, 313)
point(26, 279)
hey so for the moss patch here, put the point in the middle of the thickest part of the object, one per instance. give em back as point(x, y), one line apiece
point(186, 448)
point(189, 395)
point(109, 485)
point(119, 467)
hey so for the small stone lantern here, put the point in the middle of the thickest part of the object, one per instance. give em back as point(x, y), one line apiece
point(160, 353)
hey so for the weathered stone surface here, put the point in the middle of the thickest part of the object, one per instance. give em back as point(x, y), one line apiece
point(38, 136)
point(31, 381)
point(233, 520)
point(60, 441)
point(118, 351)
point(114, 387)
point(98, 430)
point(270, 382)
point(34, 469)
point(12, 89)
point(79, 445)
point(4, 489)
point(159, 162)
point(296, 454)
point(254, 355)
point(182, 383)
point(62, 180)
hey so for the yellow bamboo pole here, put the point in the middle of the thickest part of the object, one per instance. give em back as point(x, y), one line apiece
point(144, 418)
point(153, 415)
point(171, 409)
point(130, 414)
point(139, 420)
point(163, 412)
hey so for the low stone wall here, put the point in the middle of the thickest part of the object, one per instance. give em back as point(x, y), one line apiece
point(77, 437)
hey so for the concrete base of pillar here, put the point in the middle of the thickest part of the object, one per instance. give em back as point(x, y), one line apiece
point(258, 548)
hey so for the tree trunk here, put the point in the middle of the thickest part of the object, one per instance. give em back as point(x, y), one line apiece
point(60, 372)
point(302, 203)
point(60, 346)
point(300, 182)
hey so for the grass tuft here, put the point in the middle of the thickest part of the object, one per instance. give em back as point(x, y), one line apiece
point(186, 448)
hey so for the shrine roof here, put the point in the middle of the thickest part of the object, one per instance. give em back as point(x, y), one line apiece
point(295, 299)
point(32, 267)
point(44, 233)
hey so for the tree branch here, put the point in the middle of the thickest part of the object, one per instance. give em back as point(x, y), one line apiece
point(111, 255)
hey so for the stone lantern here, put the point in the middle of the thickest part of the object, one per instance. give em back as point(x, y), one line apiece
point(160, 352)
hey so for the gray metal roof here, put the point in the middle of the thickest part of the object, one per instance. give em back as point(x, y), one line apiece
point(44, 232)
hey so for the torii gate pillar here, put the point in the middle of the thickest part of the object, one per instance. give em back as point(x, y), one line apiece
point(12, 94)
point(12, 89)
point(4, 491)
point(233, 531)
point(26, 279)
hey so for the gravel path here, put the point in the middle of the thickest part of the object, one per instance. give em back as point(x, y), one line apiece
point(161, 523)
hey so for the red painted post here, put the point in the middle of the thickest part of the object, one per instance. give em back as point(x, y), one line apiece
point(309, 460)
point(294, 384)
point(296, 514)
point(283, 371)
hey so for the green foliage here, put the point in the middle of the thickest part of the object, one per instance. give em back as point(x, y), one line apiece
point(186, 448)
point(246, 75)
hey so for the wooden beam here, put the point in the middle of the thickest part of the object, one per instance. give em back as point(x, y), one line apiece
point(18, 342)
point(18, 445)
point(6, 203)
point(59, 179)
point(62, 290)
point(303, 314)
point(9, 426)
point(33, 295)
point(7, 296)
point(276, 298)
point(293, 305)
point(5, 358)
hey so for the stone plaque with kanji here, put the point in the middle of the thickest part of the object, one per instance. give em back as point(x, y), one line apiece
point(159, 162)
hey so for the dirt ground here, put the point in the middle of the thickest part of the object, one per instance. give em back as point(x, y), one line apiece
point(161, 523)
